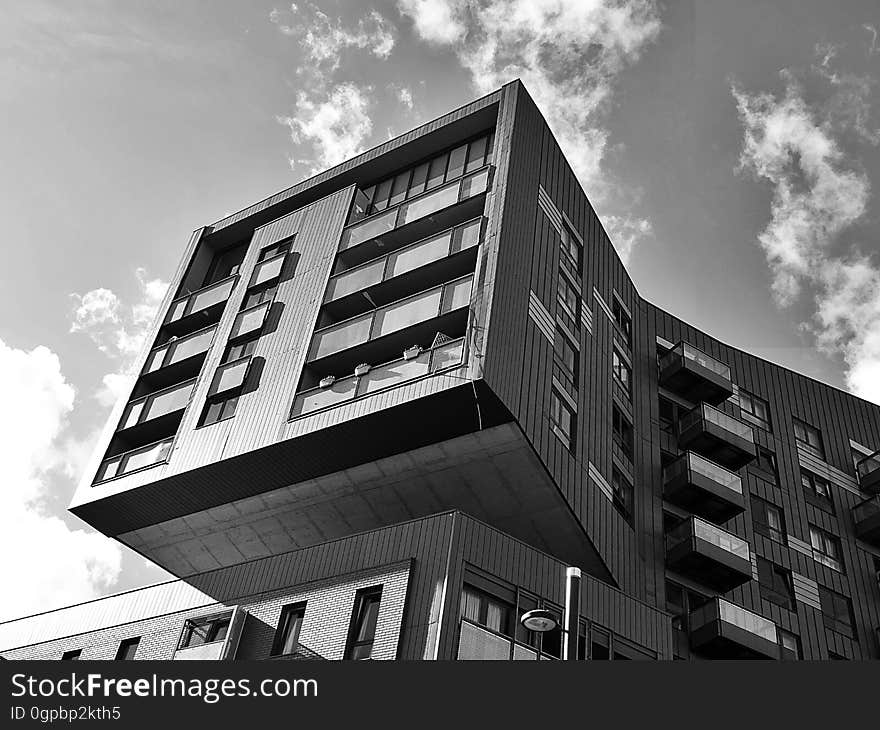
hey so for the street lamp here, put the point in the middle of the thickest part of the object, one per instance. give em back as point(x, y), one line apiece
point(541, 620)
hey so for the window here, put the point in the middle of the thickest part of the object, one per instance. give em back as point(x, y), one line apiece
point(226, 264)
point(621, 371)
point(72, 655)
point(198, 631)
point(766, 462)
point(622, 432)
point(826, 548)
point(817, 491)
point(789, 644)
point(622, 320)
point(774, 584)
point(768, 519)
point(236, 352)
point(363, 623)
point(809, 437)
point(571, 247)
point(668, 415)
point(219, 409)
point(566, 358)
point(289, 625)
point(836, 611)
point(274, 250)
point(562, 419)
point(127, 649)
point(680, 602)
point(622, 490)
point(754, 409)
point(568, 296)
point(259, 296)
point(486, 610)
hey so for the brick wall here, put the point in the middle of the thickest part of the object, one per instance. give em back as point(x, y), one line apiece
point(329, 606)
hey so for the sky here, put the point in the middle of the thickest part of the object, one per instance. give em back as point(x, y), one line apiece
point(731, 150)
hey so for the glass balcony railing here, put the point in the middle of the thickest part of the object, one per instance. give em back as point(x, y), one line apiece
point(158, 404)
point(703, 488)
point(712, 415)
point(267, 270)
point(689, 352)
point(130, 461)
point(415, 208)
point(249, 321)
point(869, 472)
point(730, 613)
point(201, 300)
point(380, 377)
point(399, 315)
point(718, 474)
point(414, 256)
point(177, 350)
point(712, 534)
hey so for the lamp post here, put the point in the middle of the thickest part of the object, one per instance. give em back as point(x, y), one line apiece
point(541, 620)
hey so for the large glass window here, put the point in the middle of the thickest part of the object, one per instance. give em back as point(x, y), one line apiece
point(566, 358)
point(622, 432)
point(817, 491)
point(621, 371)
point(826, 548)
point(198, 631)
point(486, 610)
point(754, 409)
point(775, 584)
point(568, 297)
point(809, 437)
point(768, 519)
point(622, 489)
point(364, 621)
point(766, 462)
point(622, 320)
point(837, 611)
point(562, 419)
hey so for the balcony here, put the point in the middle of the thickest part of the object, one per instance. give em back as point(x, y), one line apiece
point(414, 320)
point(267, 270)
point(230, 376)
point(249, 321)
point(431, 206)
point(378, 378)
point(178, 359)
point(866, 517)
point(430, 261)
point(869, 473)
point(704, 488)
point(479, 643)
point(695, 376)
point(199, 309)
point(720, 438)
point(723, 630)
point(706, 553)
point(130, 461)
point(155, 416)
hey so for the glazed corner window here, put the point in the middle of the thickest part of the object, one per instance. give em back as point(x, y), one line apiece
point(622, 432)
point(809, 437)
point(817, 491)
point(198, 631)
point(621, 371)
point(127, 649)
point(289, 624)
point(486, 610)
point(562, 419)
point(623, 494)
point(571, 246)
point(768, 519)
point(566, 357)
point(826, 548)
point(774, 584)
point(362, 633)
point(754, 409)
point(837, 611)
point(72, 655)
point(622, 320)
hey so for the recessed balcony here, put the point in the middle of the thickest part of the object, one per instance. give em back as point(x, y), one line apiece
point(199, 309)
point(704, 488)
point(722, 630)
point(718, 437)
point(155, 416)
point(419, 215)
point(178, 359)
point(866, 517)
point(134, 460)
point(694, 375)
point(428, 262)
point(380, 377)
point(869, 473)
point(707, 554)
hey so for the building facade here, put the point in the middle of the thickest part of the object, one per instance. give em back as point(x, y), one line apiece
point(382, 411)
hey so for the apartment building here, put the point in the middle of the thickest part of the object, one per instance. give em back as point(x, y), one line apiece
point(383, 410)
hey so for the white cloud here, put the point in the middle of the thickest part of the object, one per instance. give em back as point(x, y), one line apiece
point(568, 53)
point(626, 233)
point(335, 124)
point(324, 39)
point(818, 195)
point(404, 95)
point(63, 565)
point(118, 329)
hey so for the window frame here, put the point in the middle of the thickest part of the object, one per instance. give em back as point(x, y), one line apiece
point(619, 364)
point(364, 599)
point(780, 589)
point(124, 646)
point(622, 319)
point(777, 534)
point(282, 628)
point(814, 493)
point(832, 620)
point(749, 414)
point(214, 620)
point(566, 433)
point(809, 430)
point(826, 540)
point(623, 437)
